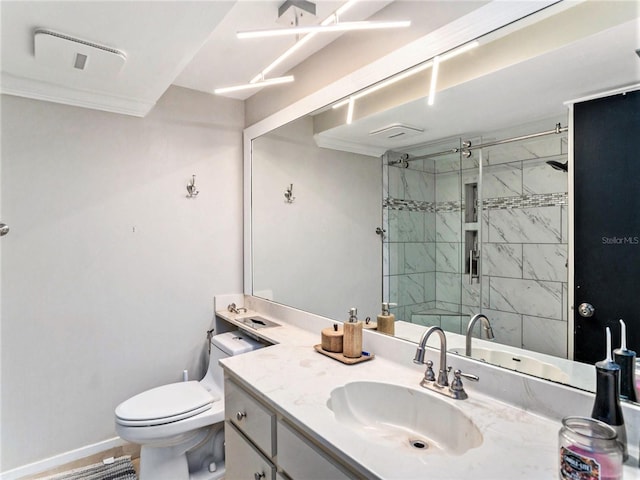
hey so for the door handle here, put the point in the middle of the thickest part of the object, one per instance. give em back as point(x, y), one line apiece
point(586, 310)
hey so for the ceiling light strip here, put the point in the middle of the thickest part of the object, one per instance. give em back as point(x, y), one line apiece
point(407, 73)
point(336, 27)
point(259, 84)
point(300, 43)
point(385, 83)
point(350, 111)
point(434, 80)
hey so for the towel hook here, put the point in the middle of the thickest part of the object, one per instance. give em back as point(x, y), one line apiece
point(288, 194)
point(191, 188)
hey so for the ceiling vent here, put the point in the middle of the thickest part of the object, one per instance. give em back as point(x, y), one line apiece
point(397, 131)
point(64, 52)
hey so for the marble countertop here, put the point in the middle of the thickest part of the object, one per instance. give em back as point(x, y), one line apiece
point(516, 443)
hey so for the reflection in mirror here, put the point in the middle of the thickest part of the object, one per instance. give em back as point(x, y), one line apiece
point(397, 207)
point(320, 252)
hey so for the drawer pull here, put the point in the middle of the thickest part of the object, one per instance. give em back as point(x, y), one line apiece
point(259, 476)
point(240, 416)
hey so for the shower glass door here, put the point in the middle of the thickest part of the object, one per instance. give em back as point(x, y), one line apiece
point(432, 241)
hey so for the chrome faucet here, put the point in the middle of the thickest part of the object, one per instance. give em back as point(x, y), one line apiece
point(456, 390)
point(472, 323)
point(443, 374)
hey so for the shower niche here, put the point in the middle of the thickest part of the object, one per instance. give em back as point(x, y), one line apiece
point(480, 230)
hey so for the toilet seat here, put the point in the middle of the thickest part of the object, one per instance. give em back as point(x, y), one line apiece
point(165, 404)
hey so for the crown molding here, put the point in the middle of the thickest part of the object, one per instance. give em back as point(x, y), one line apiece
point(50, 92)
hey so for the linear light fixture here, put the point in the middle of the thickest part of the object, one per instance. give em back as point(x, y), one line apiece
point(257, 84)
point(350, 111)
point(407, 73)
point(336, 27)
point(434, 80)
point(300, 43)
point(385, 83)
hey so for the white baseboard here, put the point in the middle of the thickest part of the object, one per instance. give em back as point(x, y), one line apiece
point(61, 459)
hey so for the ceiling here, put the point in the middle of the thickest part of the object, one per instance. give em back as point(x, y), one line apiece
point(187, 43)
point(192, 44)
point(534, 89)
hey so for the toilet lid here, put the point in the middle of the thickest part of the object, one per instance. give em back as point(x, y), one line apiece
point(165, 404)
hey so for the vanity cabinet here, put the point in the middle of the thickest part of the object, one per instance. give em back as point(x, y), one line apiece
point(262, 445)
point(300, 460)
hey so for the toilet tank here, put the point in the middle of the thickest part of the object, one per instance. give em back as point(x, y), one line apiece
point(223, 346)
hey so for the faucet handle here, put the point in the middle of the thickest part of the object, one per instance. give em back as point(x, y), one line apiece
point(457, 373)
point(456, 385)
point(429, 375)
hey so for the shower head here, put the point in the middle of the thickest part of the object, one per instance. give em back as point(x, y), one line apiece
point(558, 166)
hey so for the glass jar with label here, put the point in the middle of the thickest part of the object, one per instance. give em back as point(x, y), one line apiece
point(589, 450)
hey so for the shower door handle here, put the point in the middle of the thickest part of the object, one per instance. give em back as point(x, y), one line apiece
point(4, 229)
point(472, 276)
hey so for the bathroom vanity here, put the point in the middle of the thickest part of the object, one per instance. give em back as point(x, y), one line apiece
point(293, 413)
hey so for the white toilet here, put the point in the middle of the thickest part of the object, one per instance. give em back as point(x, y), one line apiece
point(180, 426)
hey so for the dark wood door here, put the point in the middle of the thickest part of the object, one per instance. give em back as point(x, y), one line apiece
point(607, 223)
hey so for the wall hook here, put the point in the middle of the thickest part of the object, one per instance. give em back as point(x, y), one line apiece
point(288, 194)
point(191, 188)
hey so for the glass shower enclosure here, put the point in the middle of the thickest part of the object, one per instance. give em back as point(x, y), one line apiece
point(480, 230)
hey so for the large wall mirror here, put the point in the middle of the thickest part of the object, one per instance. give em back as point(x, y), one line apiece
point(450, 209)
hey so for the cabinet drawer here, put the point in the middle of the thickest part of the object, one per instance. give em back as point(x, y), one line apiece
point(251, 417)
point(243, 460)
point(301, 461)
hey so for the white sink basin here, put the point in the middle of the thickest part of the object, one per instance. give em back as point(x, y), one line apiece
point(420, 421)
point(519, 363)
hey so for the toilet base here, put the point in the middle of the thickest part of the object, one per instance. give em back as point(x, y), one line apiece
point(187, 459)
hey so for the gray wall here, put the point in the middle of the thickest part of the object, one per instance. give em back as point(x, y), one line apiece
point(109, 272)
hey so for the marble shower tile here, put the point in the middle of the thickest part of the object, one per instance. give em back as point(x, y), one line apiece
point(448, 257)
point(471, 294)
point(538, 177)
point(448, 187)
point(447, 163)
point(394, 182)
point(524, 150)
point(448, 288)
point(419, 309)
point(526, 225)
point(411, 289)
point(528, 297)
point(405, 226)
point(545, 262)
point(564, 212)
point(394, 294)
point(419, 257)
point(430, 227)
point(451, 323)
point(507, 327)
point(448, 227)
point(425, 320)
point(544, 335)
point(393, 254)
point(419, 186)
point(502, 259)
point(502, 180)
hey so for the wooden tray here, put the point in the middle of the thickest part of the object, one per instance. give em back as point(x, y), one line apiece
point(341, 358)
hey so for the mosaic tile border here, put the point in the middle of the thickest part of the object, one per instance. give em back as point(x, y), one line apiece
point(498, 203)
